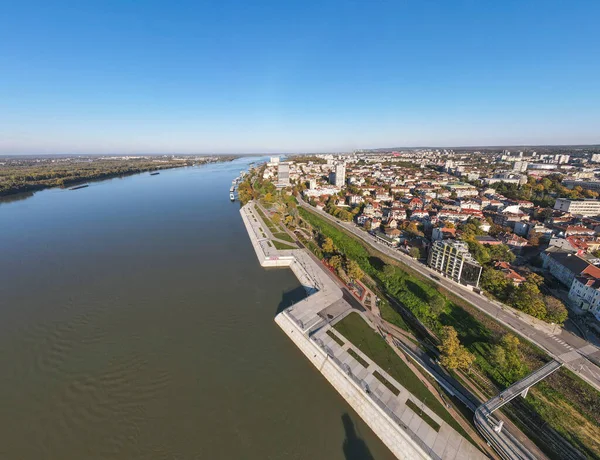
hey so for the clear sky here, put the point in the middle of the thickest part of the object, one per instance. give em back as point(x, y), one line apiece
point(197, 76)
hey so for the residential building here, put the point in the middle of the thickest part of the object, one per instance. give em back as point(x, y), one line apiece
point(442, 233)
point(452, 258)
point(283, 175)
point(579, 207)
point(338, 176)
point(565, 266)
point(509, 273)
point(520, 166)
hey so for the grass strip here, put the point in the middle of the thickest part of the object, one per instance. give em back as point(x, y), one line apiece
point(386, 382)
point(283, 236)
point(335, 338)
point(283, 246)
point(269, 223)
point(426, 418)
point(357, 357)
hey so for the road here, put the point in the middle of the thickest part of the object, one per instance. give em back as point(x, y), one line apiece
point(574, 352)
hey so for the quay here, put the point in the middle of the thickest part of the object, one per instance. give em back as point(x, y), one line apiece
point(308, 323)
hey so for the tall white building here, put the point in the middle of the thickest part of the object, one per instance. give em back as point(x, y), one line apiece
point(338, 176)
point(283, 175)
point(274, 160)
point(520, 166)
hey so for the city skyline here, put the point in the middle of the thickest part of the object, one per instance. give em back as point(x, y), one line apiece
point(284, 78)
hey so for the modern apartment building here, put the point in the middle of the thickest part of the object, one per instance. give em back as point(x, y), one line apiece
point(338, 176)
point(452, 258)
point(283, 175)
point(580, 207)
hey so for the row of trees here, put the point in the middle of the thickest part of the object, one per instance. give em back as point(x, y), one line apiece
point(527, 297)
point(347, 269)
point(453, 355)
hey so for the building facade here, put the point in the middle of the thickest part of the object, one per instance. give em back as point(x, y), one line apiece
point(283, 175)
point(582, 207)
point(338, 175)
point(452, 258)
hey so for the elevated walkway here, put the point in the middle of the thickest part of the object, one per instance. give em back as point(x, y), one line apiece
point(491, 429)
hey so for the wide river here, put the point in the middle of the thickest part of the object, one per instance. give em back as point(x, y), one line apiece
point(136, 323)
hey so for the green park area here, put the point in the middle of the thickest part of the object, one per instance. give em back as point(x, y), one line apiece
point(354, 328)
point(283, 246)
point(561, 412)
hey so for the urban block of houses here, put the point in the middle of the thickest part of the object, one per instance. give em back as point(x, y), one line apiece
point(509, 273)
point(566, 266)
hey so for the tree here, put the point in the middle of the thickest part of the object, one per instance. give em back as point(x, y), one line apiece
point(414, 252)
point(528, 298)
point(389, 270)
point(453, 354)
point(479, 252)
point(336, 262)
point(513, 366)
point(496, 283)
point(437, 304)
point(501, 252)
point(353, 270)
point(498, 356)
point(534, 239)
point(328, 246)
point(556, 310)
point(538, 280)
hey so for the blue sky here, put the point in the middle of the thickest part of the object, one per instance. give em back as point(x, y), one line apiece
point(128, 76)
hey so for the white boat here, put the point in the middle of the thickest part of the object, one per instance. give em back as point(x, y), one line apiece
point(232, 196)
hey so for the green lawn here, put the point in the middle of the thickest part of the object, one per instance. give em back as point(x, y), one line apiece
point(268, 222)
point(283, 246)
point(283, 236)
point(354, 329)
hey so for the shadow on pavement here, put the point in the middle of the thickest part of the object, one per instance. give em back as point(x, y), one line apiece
point(291, 297)
point(354, 447)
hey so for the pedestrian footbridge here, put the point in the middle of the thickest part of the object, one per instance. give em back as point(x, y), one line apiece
point(491, 429)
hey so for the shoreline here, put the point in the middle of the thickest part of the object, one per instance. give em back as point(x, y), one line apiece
point(408, 436)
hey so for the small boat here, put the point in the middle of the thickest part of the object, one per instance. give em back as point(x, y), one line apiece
point(79, 186)
point(154, 174)
point(232, 196)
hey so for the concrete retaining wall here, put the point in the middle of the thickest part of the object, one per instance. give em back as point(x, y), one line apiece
point(401, 445)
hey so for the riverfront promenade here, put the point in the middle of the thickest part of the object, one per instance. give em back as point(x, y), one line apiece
point(308, 324)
